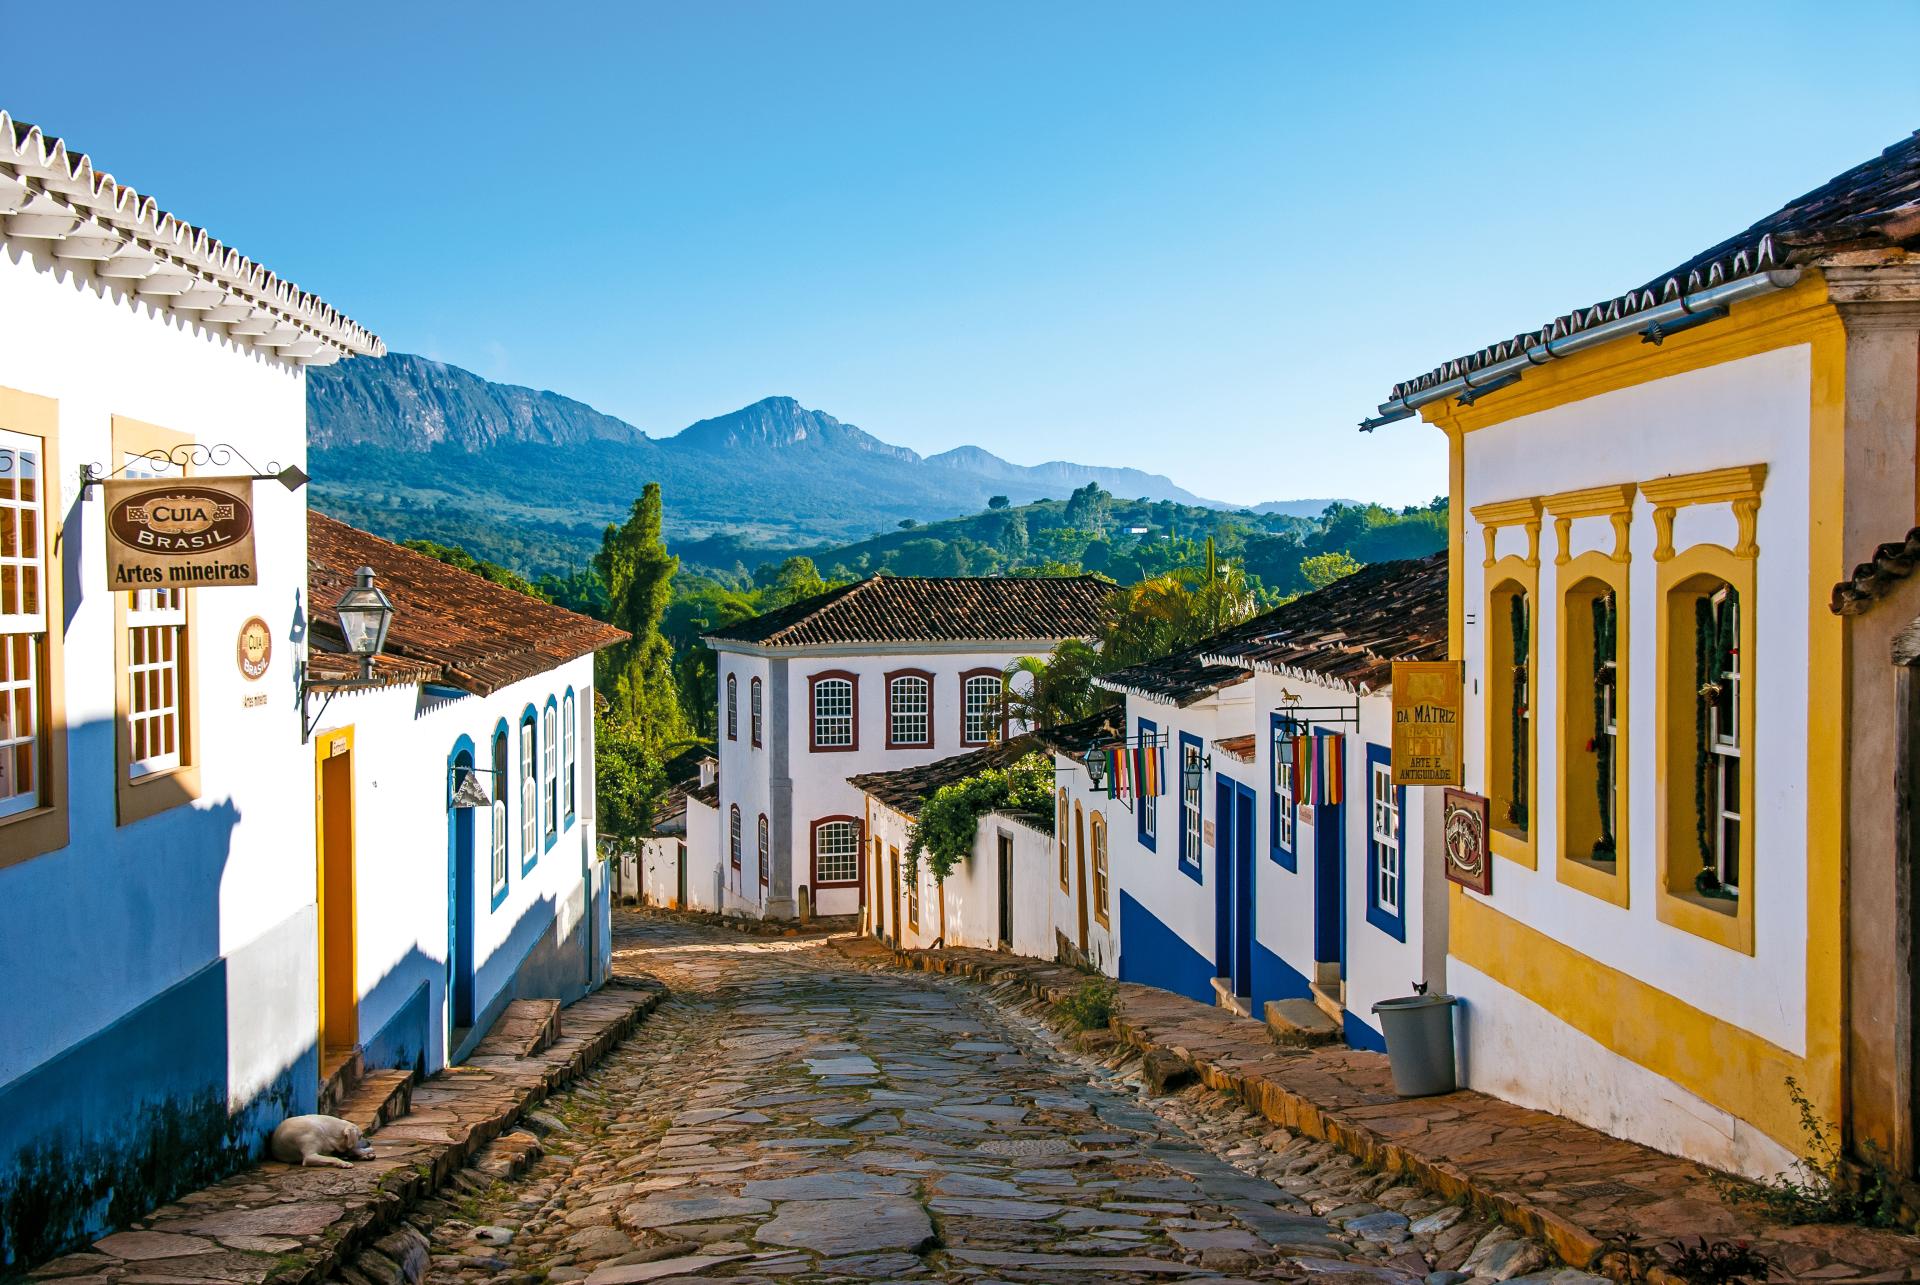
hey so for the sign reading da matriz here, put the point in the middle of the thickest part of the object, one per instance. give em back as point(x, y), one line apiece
point(173, 533)
point(1427, 710)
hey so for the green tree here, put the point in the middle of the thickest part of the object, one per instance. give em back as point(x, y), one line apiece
point(455, 556)
point(628, 782)
point(1322, 569)
point(1057, 689)
point(997, 501)
point(1088, 509)
point(636, 676)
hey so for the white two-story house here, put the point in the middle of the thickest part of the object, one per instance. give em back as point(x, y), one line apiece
point(885, 673)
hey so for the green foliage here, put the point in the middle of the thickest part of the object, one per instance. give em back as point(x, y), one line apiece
point(628, 782)
point(1088, 509)
point(1090, 1007)
point(1322, 569)
point(1822, 1187)
point(1059, 688)
point(950, 819)
point(454, 556)
point(1719, 1262)
point(996, 501)
point(636, 676)
point(1159, 616)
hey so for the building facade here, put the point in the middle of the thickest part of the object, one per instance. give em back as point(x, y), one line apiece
point(886, 673)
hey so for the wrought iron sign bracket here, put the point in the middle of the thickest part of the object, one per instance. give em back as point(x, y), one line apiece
point(1327, 715)
point(199, 455)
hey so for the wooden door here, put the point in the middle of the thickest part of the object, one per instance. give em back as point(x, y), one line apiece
point(1006, 892)
point(1080, 871)
point(339, 996)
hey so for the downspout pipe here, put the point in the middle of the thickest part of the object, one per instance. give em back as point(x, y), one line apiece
point(1539, 354)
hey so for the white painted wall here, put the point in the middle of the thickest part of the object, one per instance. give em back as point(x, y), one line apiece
point(125, 912)
point(705, 865)
point(972, 889)
point(1103, 940)
point(1754, 410)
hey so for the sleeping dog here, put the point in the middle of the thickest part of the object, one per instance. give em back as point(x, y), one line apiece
point(316, 1140)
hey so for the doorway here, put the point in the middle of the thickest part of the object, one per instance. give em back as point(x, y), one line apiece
point(1080, 871)
point(680, 876)
point(1006, 892)
point(897, 939)
point(339, 997)
point(1329, 891)
point(1233, 885)
point(461, 856)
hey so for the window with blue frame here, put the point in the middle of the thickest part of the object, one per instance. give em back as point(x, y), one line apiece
point(1386, 846)
point(1192, 779)
point(529, 792)
point(1284, 807)
point(1146, 816)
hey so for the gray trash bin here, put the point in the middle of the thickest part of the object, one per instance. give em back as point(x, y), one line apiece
point(1419, 1031)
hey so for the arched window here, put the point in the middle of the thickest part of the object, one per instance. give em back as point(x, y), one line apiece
point(498, 882)
point(1510, 708)
point(571, 731)
point(763, 845)
point(754, 711)
point(733, 707)
point(980, 693)
point(733, 837)
point(529, 792)
point(1100, 877)
point(836, 852)
point(1592, 677)
point(1710, 744)
point(1061, 822)
point(835, 712)
point(550, 769)
point(909, 709)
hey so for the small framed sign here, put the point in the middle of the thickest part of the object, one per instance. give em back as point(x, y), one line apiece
point(1428, 706)
point(1464, 833)
point(253, 651)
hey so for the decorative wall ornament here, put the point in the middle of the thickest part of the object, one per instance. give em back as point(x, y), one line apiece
point(1463, 828)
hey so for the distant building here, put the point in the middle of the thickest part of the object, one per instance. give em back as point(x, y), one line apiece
point(1693, 720)
point(885, 673)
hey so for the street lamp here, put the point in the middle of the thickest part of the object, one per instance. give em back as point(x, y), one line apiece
point(1096, 762)
point(365, 615)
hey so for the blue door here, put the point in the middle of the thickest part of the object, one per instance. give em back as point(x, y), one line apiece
point(1222, 877)
point(1330, 885)
point(1233, 884)
point(460, 888)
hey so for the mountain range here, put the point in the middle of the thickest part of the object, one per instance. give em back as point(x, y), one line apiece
point(409, 447)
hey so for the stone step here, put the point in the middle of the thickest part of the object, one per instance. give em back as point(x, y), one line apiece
point(1223, 997)
point(525, 1027)
point(1331, 998)
point(380, 1098)
point(1300, 1022)
point(340, 1070)
point(507, 1156)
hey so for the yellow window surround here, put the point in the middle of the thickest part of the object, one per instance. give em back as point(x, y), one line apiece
point(1739, 486)
point(1506, 576)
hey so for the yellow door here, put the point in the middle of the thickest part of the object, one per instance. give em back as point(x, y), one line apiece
point(1080, 870)
point(339, 996)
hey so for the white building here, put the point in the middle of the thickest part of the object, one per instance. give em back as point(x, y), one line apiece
point(158, 927)
point(885, 673)
point(662, 869)
point(433, 915)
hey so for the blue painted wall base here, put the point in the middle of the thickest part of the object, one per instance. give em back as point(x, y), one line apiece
point(1153, 954)
point(1275, 978)
point(1361, 1036)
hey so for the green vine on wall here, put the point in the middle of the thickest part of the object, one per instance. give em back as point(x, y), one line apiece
point(950, 818)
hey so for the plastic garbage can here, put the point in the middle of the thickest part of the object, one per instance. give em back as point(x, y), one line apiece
point(1419, 1031)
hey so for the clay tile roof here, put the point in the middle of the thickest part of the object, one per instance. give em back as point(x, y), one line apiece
point(1077, 738)
point(449, 626)
point(1180, 679)
point(58, 200)
point(934, 609)
point(1350, 632)
point(907, 788)
point(1871, 580)
point(1874, 205)
point(1241, 747)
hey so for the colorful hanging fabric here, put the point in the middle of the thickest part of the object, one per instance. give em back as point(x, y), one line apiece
point(1337, 769)
point(1107, 757)
point(1149, 774)
point(1302, 747)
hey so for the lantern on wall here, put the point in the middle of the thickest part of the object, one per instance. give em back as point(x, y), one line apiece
point(365, 616)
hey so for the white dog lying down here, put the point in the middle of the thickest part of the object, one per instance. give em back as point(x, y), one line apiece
point(317, 1140)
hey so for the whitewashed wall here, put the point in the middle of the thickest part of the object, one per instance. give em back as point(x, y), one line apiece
point(1103, 940)
point(972, 889)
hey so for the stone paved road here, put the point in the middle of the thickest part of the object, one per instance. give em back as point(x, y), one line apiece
point(787, 1116)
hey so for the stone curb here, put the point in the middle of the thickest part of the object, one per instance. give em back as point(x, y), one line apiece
point(373, 1197)
point(1051, 983)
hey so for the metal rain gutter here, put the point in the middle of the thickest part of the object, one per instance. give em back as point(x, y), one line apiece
point(1651, 323)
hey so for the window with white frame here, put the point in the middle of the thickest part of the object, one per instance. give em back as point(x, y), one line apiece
point(1190, 777)
point(733, 836)
point(498, 883)
point(763, 850)
point(733, 707)
point(572, 765)
point(754, 711)
point(833, 713)
point(529, 791)
point(982, 693)
point(907, 710)
point(1384, 810)
point(836, 852)
point(550, 770)
point(1723, 737)
point(23, 624)
point(156, 663)
point(1283, 814)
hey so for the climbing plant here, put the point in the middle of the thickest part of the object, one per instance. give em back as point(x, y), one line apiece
point(950, 817)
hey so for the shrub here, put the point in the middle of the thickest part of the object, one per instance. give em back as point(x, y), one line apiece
point(1090, 1007)
point(1719, 1262)
point(950, 818)
point(1819, 1188)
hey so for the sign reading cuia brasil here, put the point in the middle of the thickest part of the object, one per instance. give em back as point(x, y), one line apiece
point(1427, 721)
point(179, 533)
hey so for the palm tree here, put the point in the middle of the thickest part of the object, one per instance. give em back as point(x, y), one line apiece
point(1059, 689)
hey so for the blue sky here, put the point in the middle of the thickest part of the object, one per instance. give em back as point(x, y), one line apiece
point(1201, 240)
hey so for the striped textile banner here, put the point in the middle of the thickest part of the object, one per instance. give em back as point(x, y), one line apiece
point(1151, 773)
point(1302, 753)
point(1334, 785)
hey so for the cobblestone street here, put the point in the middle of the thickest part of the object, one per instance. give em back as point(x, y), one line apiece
point(787, 1115)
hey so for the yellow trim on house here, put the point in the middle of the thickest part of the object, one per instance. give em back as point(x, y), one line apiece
point(1738, 486)
point(335, 939)
point(1504, 578)
point(1723, 1064)
point(43, 829)
point(1608, 881)
point(1614, 502)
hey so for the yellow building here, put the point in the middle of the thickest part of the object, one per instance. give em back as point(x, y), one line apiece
point(1653, 500)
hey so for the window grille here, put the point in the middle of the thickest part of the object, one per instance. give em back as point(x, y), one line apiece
point(908, 709)
point(833, 713)
point(1385, 812)
point(156, 653)
point(982, 704)
point(23, 624)
point(836, 852)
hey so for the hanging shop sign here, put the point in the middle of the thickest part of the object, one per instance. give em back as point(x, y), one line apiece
point(1463, 829)
point(175, 533)
point(1428, 711)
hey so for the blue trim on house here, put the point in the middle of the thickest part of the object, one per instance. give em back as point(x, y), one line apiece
point(531, 763)
point(1329, 870)
point(1191, 864)
point(1144, 809)
point(1153, 954)
point(1275, 978)
point(1284, 855)
point(405, 1040)
point(569, 764)
point(463, 744)
point(502, 786)
point(1392, 924)
point(1360, 1035)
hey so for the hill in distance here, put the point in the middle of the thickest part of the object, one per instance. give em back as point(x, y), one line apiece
point(412, 448)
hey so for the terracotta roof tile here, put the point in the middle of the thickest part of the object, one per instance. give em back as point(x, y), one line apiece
point(906, 789)
point(1871, 580)
point(449, 626)
point(934, 609)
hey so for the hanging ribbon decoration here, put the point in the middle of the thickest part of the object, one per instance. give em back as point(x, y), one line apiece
point(1333, 785)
